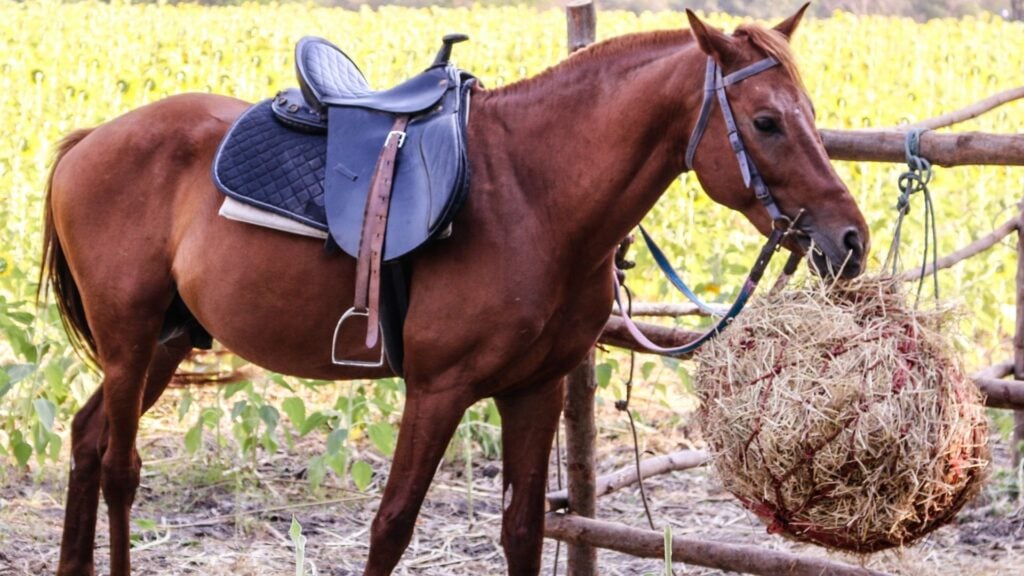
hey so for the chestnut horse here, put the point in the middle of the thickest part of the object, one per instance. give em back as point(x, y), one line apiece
point(564, 165)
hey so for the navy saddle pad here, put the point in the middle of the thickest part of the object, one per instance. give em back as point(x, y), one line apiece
point(313, 162)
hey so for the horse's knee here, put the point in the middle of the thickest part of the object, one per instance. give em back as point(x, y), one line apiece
point(523, 544)
point(119, 481)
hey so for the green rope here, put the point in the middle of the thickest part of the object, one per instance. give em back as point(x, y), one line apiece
point(913, 181)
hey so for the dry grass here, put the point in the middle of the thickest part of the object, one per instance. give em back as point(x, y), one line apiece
point(840, 415)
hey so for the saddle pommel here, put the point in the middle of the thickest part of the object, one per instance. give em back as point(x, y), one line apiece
point(445, 53)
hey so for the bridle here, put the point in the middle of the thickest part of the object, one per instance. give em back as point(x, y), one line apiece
point(782, 226)
point(714, 86)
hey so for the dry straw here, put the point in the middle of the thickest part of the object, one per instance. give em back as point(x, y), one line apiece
point(841, 416)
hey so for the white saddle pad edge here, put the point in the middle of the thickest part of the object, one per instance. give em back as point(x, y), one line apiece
point(234, 210)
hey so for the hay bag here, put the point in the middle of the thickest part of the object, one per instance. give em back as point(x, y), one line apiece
point(841, 416)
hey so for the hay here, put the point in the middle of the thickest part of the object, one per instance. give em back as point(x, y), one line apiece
point(841, 416)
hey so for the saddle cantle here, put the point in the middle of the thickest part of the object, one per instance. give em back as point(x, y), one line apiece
point(314, 154)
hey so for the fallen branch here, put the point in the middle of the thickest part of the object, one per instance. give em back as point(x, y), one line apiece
point(728, 557)
point(682, 460)
point(972, 249)
point(615, 334)
point(659, 309)
point(939, 149)
point(968, 112)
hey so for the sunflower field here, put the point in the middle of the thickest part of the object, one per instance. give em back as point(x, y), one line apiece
point(77, 64)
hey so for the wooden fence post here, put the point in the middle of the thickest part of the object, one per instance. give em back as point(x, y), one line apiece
point(1018, 345)
point(581, 384)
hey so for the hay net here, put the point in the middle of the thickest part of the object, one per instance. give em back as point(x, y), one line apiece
point(840, 415)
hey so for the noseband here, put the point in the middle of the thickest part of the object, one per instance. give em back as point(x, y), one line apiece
point(714, 88)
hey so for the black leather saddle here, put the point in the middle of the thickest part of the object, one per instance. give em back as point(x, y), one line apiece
point(309, 153)
point(313, 153)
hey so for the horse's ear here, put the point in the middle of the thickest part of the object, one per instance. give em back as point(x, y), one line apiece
point(788, 26)
point(712, 41)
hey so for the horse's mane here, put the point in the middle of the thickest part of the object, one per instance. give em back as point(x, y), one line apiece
point(771, 42)
point(774, 44)
point(599, 52)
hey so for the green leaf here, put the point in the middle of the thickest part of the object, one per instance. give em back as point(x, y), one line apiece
point(46, 411)
point(362, 474)
point(337, 462)
point(646, 369)
point(233, 388)
point(54, 444)
point(145, 524)
point(194, 437)
point(335, 440)
point(270, 416)
point(210, 416)
point(186, 403)
point(603, 373)
point(18, 372)
point(295, 408)
point(22, 452)
point(316, 470)
point(299, 541)
point(312, 422)
point(5, 384)
point(382, 435)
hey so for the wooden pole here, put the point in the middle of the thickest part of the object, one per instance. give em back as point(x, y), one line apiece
point(1018, 346)
point(940, 149)
point(581, 384)
point(741, 558)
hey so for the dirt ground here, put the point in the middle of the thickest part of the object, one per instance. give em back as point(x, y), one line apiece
point(201, 517)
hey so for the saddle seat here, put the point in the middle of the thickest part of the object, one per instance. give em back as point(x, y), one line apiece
point(328, 77)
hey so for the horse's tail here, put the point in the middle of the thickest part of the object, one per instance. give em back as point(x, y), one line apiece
point(54, 273)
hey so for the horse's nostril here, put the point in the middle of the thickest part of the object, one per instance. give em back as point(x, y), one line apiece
point(854, 244)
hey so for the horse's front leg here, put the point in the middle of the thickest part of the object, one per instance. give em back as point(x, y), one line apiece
point(529, 419)
point(428, 423)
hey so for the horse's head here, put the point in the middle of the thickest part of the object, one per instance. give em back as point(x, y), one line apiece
point(775, 122)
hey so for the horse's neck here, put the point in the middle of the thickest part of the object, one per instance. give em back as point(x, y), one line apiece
point(594, 147)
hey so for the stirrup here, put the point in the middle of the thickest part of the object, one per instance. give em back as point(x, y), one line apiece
point(334, 343)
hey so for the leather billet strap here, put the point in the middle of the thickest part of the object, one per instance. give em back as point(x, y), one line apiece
point(714, 90)
point(375, 222)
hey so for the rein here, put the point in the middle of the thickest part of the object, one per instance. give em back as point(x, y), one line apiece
point(714, 90)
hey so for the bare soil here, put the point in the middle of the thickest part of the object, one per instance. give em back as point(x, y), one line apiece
point(217, 514)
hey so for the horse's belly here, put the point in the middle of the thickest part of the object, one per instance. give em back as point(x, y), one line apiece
point(270, 297)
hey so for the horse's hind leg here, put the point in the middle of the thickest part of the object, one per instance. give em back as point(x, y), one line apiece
point(89, 435)
point(529, 419)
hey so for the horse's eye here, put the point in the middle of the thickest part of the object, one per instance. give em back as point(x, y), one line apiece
point(766, 124)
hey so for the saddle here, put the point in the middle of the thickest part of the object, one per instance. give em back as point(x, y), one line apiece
point(381, 172)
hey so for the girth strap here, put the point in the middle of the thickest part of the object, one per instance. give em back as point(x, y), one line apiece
point(375, 220)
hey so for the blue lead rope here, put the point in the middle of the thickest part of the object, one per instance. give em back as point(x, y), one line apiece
point(674, 278)
point(756, 272)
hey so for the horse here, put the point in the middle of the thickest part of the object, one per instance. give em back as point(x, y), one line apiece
point(563, 166)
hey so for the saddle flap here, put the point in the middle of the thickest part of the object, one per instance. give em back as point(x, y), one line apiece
point(430, 174)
